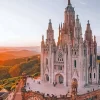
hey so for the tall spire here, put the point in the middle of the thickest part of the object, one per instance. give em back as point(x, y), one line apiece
point(69, 3)
point(61, 25)
point(88, 32)
point(94, 38)
point(42, 37)
point(59, 29)
point(42, 43)
point(77, 16)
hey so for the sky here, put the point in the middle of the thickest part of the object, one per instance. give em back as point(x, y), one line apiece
point(23, 22)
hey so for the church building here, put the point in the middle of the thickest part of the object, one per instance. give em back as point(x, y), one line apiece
point(72, 57)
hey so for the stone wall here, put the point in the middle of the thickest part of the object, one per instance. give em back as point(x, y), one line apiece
point(94, 95)
point(40, 96)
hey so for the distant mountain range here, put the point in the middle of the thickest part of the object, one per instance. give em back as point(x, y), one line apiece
point(35, 48)
point(19, 52)
point(7, 53)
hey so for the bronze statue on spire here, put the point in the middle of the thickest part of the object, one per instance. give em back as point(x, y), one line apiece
point(69, 3)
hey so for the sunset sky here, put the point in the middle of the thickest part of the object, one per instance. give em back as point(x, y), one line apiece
point(23, 22)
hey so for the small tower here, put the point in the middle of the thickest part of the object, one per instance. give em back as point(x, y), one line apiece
point(42, 42)
point(42, 38)
point(50, 33)
point(78, 30)
point(95, 46)
point(69, 15)
point(88, 32)
point(59, 29)
point(61, 25)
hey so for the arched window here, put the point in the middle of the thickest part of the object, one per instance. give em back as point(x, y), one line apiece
point(94, 75)
point(75, 63)
point(90, 75)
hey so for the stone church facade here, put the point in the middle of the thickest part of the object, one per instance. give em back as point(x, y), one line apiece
point(72, 57)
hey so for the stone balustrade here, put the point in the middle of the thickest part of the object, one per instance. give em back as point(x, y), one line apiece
point(94, 95)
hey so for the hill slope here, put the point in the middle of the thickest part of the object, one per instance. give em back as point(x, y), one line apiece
point(15, 67)
point(16, 54)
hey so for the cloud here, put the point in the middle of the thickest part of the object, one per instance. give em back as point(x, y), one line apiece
point(83, 3)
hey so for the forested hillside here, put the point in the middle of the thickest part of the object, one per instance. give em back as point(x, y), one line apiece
point(15, 67)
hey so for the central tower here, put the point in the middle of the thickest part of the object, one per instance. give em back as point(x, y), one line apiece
point(69, 18)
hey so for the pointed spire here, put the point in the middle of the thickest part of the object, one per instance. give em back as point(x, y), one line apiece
point(94, 38)
point(42, 42)
point(69, 3)
point(60, 37)
point(88, 32)
point(61, 25)
point(77, 19)
point(59, 29)
point(42, 37)
point(50, 25)
point(77, 16)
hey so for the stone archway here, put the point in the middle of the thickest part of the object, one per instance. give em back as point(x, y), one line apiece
point(47, 77)
point(59, 78)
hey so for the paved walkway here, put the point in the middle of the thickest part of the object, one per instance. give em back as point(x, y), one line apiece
point(18, 94)
point(50, 89)
point(15, 96)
